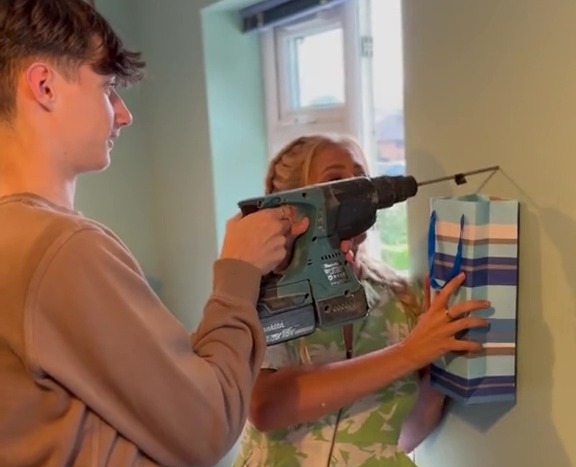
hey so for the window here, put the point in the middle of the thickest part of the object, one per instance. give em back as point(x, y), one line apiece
point(387, 123)
point(311, 76)
point(307, 65)
point(340, 70)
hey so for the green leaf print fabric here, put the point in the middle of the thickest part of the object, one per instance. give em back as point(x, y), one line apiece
point(364, 434)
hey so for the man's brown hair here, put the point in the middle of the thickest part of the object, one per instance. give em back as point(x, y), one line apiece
point(66, 32)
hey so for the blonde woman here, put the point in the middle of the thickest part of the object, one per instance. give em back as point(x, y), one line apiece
point(356, 395)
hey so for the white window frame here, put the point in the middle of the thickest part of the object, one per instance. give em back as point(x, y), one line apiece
point(284, 124)
point(282, 36)
point(355, 117)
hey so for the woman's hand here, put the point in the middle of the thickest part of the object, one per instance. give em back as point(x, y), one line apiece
point(436, 329)
point(350, 248)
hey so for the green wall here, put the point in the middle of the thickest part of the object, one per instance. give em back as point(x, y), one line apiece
point(196, 148)
point(204, 159)
point(235, 111)
point(494, 83)
point(122, 197)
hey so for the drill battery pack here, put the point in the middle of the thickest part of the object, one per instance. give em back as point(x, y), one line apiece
point(289, 311)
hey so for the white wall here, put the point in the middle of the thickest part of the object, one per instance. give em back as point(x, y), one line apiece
point(494, 82)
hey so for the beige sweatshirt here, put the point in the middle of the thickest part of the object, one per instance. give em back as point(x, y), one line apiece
point(94, 370)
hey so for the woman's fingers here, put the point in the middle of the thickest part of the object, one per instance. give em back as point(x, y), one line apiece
point(459, 325)
point(442, 298)
point(460, 309)
point(427, 300)
point(459, 345)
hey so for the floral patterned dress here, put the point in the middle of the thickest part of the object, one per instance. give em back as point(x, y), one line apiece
point(364, 434)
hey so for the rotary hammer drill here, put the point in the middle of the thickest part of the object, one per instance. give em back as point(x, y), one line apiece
point(319, 288)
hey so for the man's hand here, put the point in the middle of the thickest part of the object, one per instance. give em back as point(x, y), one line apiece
point(262, 238)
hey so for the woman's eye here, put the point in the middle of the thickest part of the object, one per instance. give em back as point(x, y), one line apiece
point(333, 179)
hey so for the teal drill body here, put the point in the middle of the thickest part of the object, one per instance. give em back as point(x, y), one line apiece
point(319, 287)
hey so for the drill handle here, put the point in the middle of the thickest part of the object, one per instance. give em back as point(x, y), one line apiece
point(305, 206)
point(250, 206)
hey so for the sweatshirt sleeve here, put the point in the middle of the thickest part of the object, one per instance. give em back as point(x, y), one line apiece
point(95, 326)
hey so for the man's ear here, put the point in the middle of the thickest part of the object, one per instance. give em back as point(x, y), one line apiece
point(40, 79)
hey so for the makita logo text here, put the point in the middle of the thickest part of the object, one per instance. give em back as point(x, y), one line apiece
point(274, 327)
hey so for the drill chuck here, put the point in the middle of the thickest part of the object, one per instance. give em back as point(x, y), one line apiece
point(394, 189)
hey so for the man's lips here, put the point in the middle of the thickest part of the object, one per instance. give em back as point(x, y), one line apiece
point(113, 138)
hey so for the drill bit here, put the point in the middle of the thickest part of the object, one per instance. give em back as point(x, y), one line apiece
point(459, 178)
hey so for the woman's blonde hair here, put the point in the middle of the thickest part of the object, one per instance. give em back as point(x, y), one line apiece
point(290, 168)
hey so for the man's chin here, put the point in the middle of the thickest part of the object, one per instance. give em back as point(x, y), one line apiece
point(103, 163)
point(95, 167)
point(103, 167)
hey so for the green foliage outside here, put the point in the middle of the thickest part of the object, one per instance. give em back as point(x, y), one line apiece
point(393, 230)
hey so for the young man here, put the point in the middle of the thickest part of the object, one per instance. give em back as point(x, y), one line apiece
point(94, 370)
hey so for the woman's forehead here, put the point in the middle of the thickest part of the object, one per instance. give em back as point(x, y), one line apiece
point(338, 156)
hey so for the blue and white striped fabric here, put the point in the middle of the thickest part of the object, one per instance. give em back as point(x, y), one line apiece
point(478, 235)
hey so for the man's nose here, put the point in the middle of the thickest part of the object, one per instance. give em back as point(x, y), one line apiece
point(123, 115)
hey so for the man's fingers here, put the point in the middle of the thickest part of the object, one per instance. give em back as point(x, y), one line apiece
point(236, 217)
point(300, 226)
point(286, 225)
point(288, 215)
point(283, 212)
